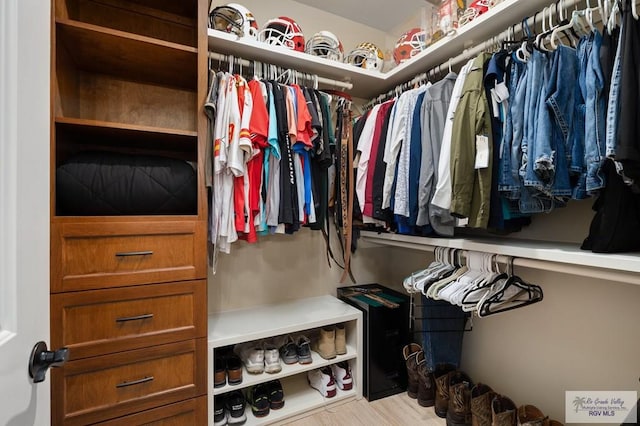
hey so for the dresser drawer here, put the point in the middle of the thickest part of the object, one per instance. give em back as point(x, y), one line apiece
point(96, 389)
point(99, 322)
point(115, 254)
point(192, 412)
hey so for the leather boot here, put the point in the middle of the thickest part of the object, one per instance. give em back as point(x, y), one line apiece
point(325, 345)
point(341, 340)
point(503, 412)
point(410, 352)
point(530, 415)
point(426, 387)
point(481, 397)
point(441, 378)
point(459, 412)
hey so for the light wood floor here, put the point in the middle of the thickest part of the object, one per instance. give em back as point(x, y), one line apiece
point(394, 410)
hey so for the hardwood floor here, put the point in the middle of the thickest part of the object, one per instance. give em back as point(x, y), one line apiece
point(395, 410)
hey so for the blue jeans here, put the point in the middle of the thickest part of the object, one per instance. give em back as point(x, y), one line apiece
point(508, 181)
point(443, 327)
point(613, 108)
point(595, 126)
point(577, 165)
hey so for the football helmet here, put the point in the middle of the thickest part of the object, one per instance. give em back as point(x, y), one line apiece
point(326, 45)
point(366, 55)
point(233, 18)
point(409, 44)
point(283, 31)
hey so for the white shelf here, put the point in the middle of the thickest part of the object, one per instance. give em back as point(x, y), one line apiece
point(554, 252)
point(245, 325)
point(249, 379)
point(368, 84)
point(299, 398)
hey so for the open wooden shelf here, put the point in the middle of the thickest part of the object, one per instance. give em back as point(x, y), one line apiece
point(124, 130)
point(129, 56)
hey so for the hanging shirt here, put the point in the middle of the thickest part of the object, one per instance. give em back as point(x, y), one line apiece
point(363, 153)
point(379, 135)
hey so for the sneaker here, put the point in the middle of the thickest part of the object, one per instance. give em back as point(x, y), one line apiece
point(276, 394)
point(235, 405)
point(252, 356)
point(303, 348)
point(219, 411)
point(271, 359)
point(342, 375)
point(322, 381)
point(258, 397)
point(289, 352)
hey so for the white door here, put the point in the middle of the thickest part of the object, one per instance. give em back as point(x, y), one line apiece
point(24, 206)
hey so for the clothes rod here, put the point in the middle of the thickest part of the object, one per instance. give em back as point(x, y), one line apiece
point(321, 80)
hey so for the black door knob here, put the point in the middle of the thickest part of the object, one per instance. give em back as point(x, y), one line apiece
point(41, 359)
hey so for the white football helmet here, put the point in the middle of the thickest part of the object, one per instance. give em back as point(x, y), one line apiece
point(366, 55)
point(283, 31)
point(233, 18)
point(326, 45)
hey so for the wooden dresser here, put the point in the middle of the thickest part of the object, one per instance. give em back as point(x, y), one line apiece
point(129, 293)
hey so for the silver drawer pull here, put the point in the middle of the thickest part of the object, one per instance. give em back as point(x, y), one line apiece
point(134, 382)
point(136, 318)
point(134, 253)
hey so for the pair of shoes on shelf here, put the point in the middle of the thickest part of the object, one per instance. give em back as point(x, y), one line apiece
point(229, 409)
point(227, 369)
point(327, 379)
point(259, 357)
point(296, 350)
point(331, 341)
point(420, 383)
point(265, 397)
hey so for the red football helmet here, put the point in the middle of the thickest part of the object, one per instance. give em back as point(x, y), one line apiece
point(409, 44)
point(283, 31)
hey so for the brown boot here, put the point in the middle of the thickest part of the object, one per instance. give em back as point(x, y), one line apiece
point(426, 387)
point(410, 352)
point(325, 345)
point(341, 340)
point(441, 378)
point(459, 412)
point(481, 397)
point(503, 412)
point(530, 415)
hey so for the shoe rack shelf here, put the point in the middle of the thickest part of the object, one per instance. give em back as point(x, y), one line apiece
point(289, 317)
point(249, 379)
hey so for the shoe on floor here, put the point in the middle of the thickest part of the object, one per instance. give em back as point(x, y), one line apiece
point(530, 415)
point(441, 378)
point(303, 348)
point(219, 411)
point(503, 412)
point(426, 387)
point(342, 375)
point(481, 397)
point(271, 359)
point(276, 394)
point(410, 352)
point(235, 405)
point(322, 381)
point(258, 398)
point(459, 410)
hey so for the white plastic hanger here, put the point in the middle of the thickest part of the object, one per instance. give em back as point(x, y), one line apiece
point(634, 10)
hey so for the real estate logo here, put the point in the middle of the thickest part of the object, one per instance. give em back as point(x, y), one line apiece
point(601, 407)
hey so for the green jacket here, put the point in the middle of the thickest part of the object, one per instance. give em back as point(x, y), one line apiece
point(471, 187)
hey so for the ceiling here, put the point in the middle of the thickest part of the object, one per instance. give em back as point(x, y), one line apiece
point(384, 15)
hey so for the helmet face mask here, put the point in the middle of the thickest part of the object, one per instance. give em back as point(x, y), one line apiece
point(409, 44)
point(326, 45)
point(235, 19)
point(283, 31)
point(366, 55)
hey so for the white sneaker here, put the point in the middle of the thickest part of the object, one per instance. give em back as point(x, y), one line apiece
point(252, 356)
point(272, 359)
point(342, 375)
point(322, 381)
